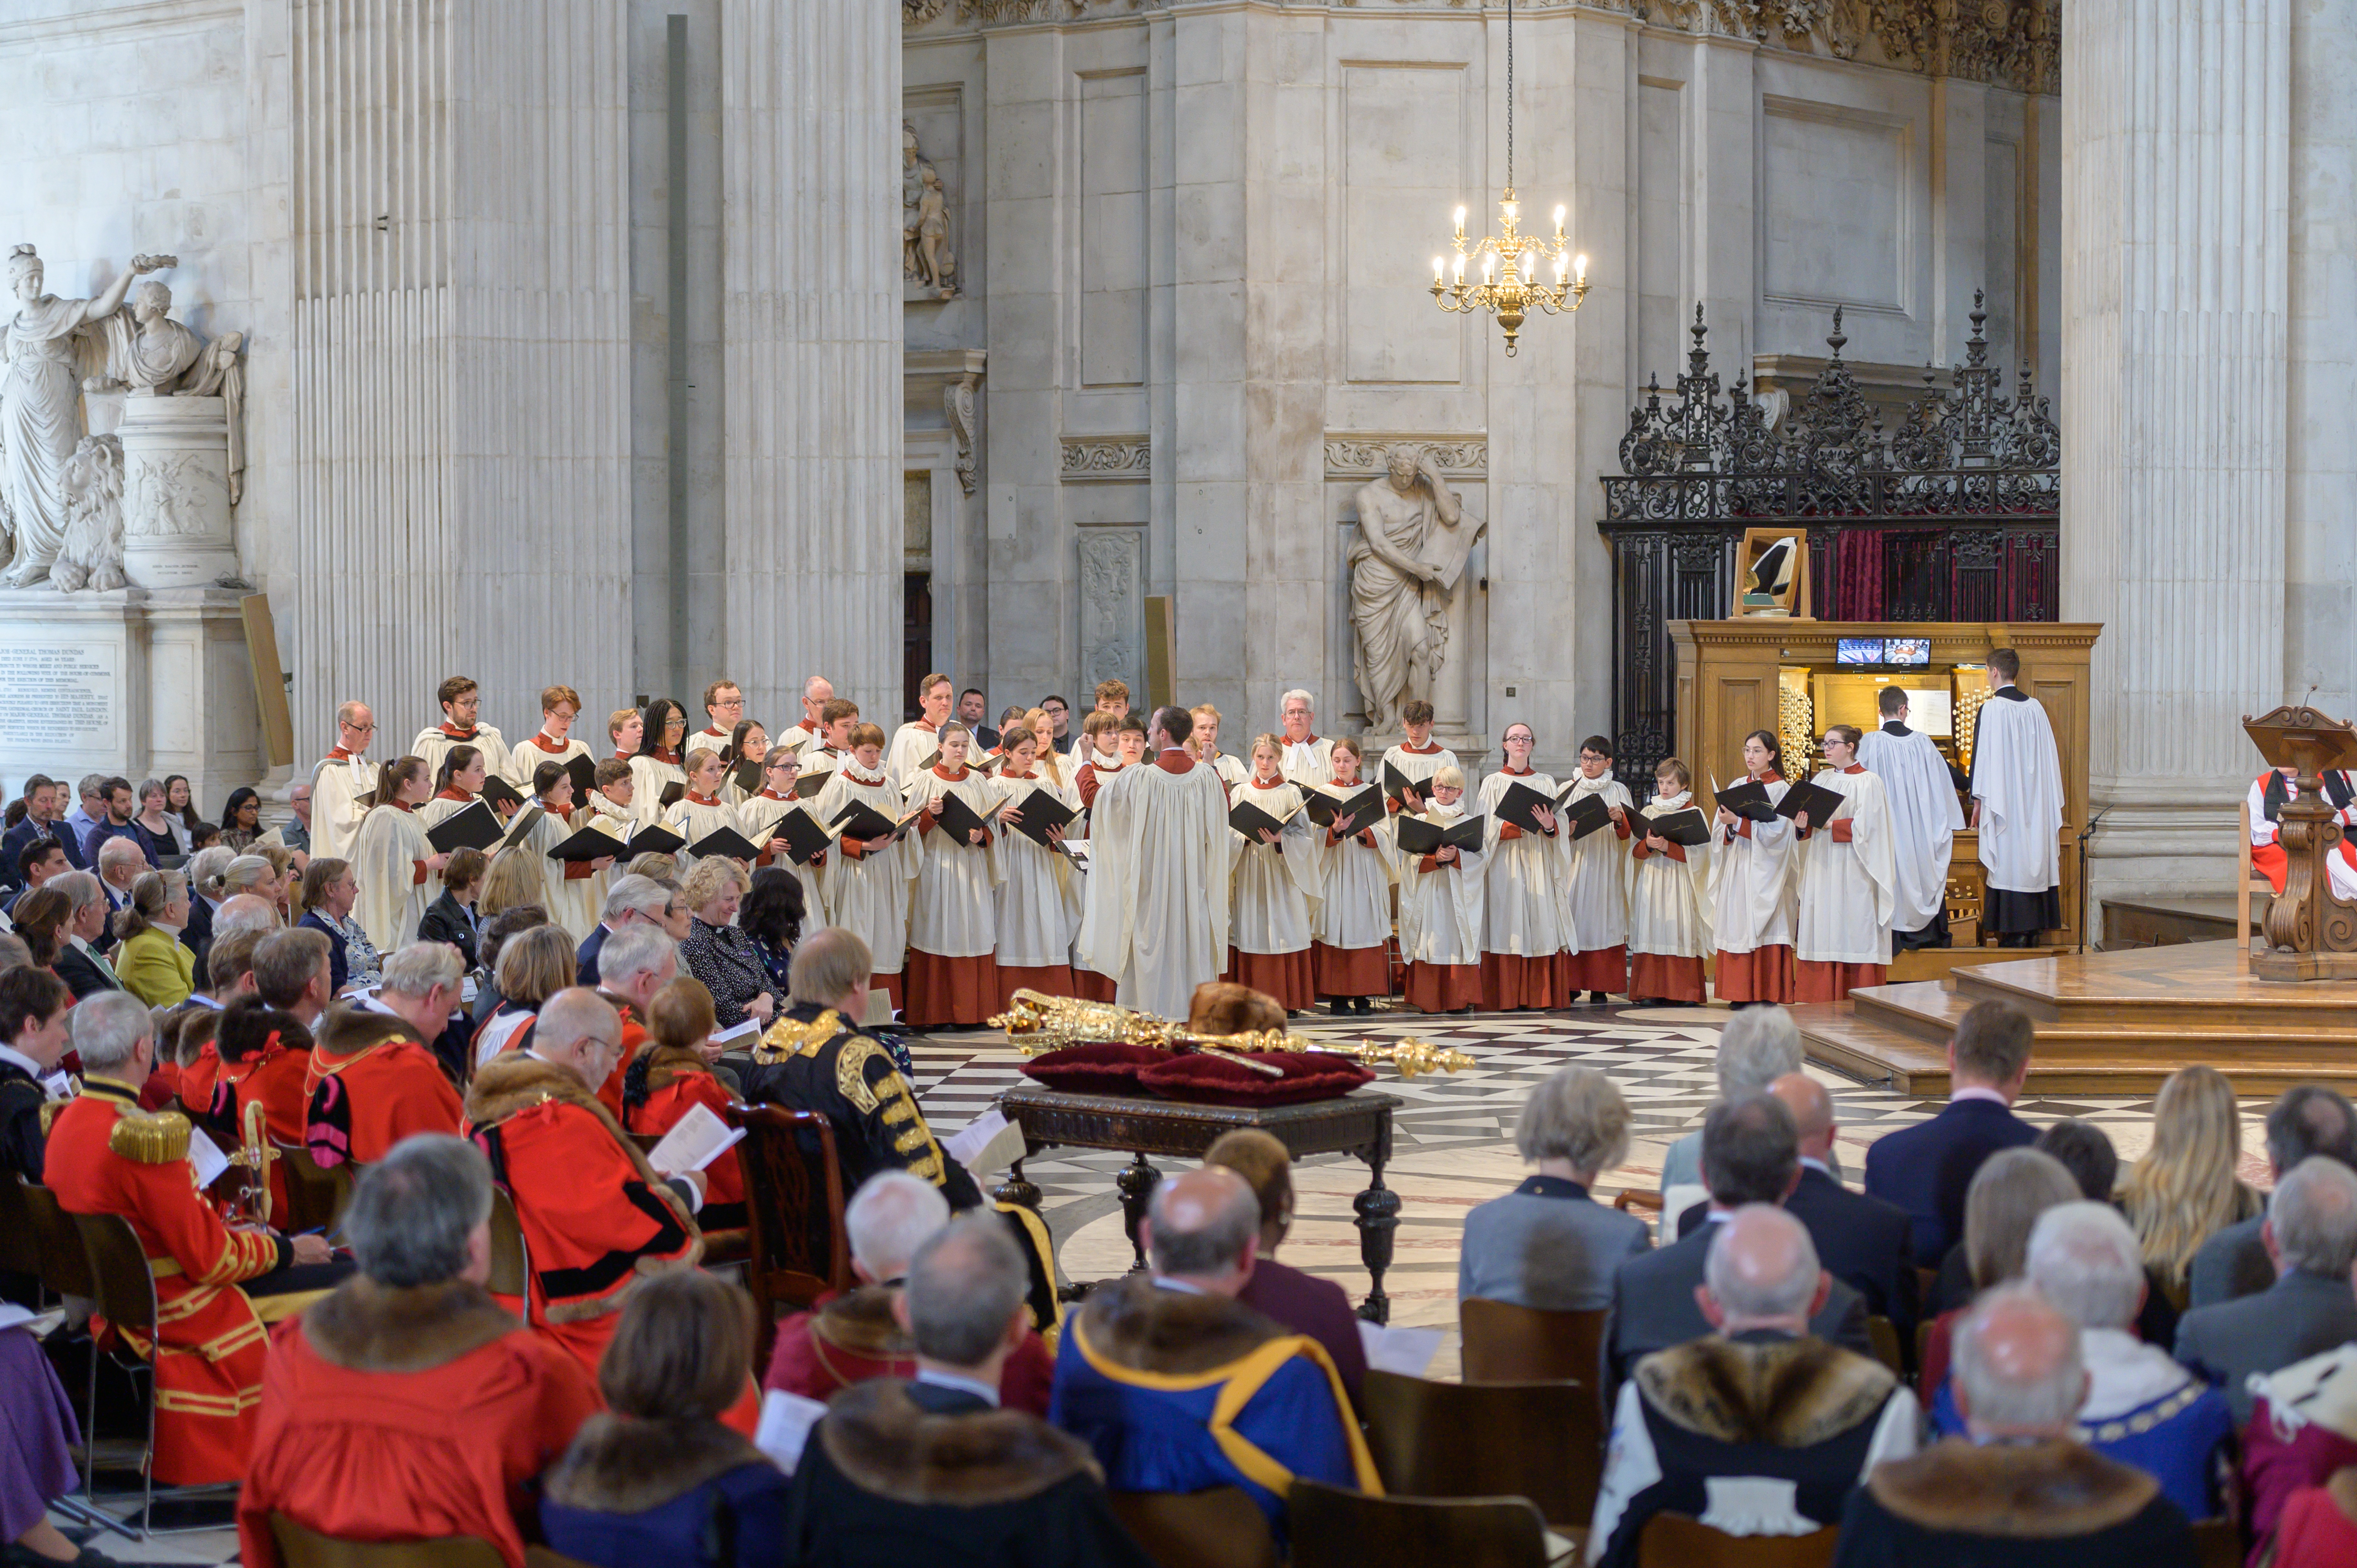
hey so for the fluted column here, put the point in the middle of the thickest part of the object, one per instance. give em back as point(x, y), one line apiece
point(811, 237)
point(2177, 134)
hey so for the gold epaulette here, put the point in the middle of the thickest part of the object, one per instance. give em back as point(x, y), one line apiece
point(792, 1037)
point(155, 1138)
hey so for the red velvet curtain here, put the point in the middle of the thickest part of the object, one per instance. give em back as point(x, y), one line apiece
point(1856, 576)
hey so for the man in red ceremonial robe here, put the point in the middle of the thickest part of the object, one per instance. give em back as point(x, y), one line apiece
point(595, 1215)
point(375, 1079)
point(2269, 794)
point(407, 1405)
point(107, 1156)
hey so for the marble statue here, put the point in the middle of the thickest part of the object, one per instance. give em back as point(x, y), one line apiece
point(926, 258)
point(1405, 564)
point(45, 347)
point(89, 555)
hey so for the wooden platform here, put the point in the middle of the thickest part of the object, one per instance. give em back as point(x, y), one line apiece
point(2108, 1024)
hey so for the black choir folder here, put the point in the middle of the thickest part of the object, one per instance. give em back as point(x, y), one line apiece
point(583, 771)
point(955, 818)
point(653, 838)
point(1586, 814)
point(803, 836)
point(858, 819)
point(1686, 827)
point(475, 827)
point(592, 843)
point(727, 841)
point(1364, 808)
point(1750, 799)
point(1042, 818)
point(1820, 803)
point(1417, 836)
point(1251, 821)
point(1397, 784)
point(500, 792)
point(811, 780)
point(746, 776)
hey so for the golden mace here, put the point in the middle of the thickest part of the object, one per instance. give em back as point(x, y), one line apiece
point(1036, 1023)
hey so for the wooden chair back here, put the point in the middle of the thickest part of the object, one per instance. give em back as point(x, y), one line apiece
point(1676, 1541)
point(794, 1199)
point(1883, 1335)
point(1223, 1528)
point(315, 1194)
point(2218, 1542)
point(301, 1548)
point(542, 1557)
point(1332, 1528)
point(64, 1265)
point(21, 1244)
point(125, 1286)
point(1508, 1344)
point(1535, 1439)
point(511, 1262)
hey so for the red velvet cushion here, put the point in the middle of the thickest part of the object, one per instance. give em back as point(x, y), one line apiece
point(1206, 1078)
point(1104, 1069)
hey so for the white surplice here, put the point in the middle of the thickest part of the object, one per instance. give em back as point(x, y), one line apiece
point(1527, 914)
point(953, 905)
point(526, 756)
point(2017, 779)
point(650, 776)
point(1669, 899)
point(1924, 817)
point(1233, 771)
point(1308, 763)
point(911, 744)
point(1274, 887)
point(441, 809)
point(574, 904)
point(869, 894)
point(1594, 888)
point(1158, 909)
point(337, 785)
point(1039, 895)
point(757, 814)
point(1440, 909)
point(1354, 905)
point(1847, 890)
point(1417, 765)
point(386, 855)
point(1751, 882)
point(433, 744)
point(691, 819)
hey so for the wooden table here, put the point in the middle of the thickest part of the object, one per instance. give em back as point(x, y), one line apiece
point(1359, 1123)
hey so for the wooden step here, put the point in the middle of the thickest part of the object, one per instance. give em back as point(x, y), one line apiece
point(1928, 1012)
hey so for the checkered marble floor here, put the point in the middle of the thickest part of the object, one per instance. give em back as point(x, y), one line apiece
point(1453, 1147)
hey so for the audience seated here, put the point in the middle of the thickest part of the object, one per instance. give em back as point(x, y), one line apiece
point(38, 1436)
point(2306, 1119)
point(858, 1335)
point(2184, 1190)
point(660, 1478)
point(639, 962)
point(1548, 1244)
point(2017, 1491)
point(1759, 1046)
point(2310, 1231)
point(407, 1405)
point(2319, 1528)
point(1301, 1302)
point(631, 900)
point(1751, 1153)
point(1864, 1242)
point(670, 1075)
point(2142, 1408)
point(930, 1468)
point(1759, 1427)
point(34, 1037)
point(2011, 1191)
point(597, 1219)
point(1176, 1387)
point(1926, 1169)
point(374, 1078)
point(2085, 1151)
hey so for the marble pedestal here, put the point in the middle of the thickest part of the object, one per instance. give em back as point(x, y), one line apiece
point(176, 519)
point(142, 682)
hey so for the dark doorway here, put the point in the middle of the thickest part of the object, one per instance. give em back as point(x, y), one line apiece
point(916, 637)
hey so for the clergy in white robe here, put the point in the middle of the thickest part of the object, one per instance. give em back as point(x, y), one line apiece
point(553, 742)
point(700, 811)
point(917, 739)
point(393, 864)
point(1039, 906)
point(1350, 935)
point(338, 781)
point(461, 700)
point(1848, 880)
point(1527, 922)
point(1751, 890)
point(2269, 794)
point(1595, 891)
point(1204, 742)
point(1307, 758)
point(1669, 901)
point(1158, 848)
point(1273, 889)
point(1440, 910)
point(2017, 787)
point(1924, 817)
point(953, 969)
point(864, 885)
point(1417, 758)
point(817, 692)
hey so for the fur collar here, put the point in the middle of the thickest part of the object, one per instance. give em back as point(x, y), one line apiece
point(1145, 1328)
point(665, 1063)
point(860, 1322)
point(885, 1444)
point(363, 1327)
point(352, 1031)
point(620, 1465)
point(514, 1082)
point(1789, 1393)
point(2037, 1491)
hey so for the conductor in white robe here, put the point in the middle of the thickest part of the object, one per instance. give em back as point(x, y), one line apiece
point(1157, 907)
point(2016, 784)
point(342, 776)
point(1920, 789)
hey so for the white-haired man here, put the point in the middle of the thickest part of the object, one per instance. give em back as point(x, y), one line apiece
point(338, 781)
point(374, 1077)
point(817, 692)
point(80, 962)
point(1759, 1405)
point(1307, 758)
point(631, 900)
point(2018, 1491)
point(120, 863)
point(2311, 1233)
point(637, 962)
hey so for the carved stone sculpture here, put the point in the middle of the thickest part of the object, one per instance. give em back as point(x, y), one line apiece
point(926, 256)
point(1405, 565)
point(90, 553)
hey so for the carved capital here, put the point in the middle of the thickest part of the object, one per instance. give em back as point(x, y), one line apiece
point(1086, 459)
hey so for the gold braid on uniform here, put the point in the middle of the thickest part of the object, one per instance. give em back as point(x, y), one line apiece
point(151, 1138)
point(792, 1037)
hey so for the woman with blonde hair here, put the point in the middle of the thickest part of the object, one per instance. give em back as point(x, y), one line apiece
point(2185, 1190)
point(152, 964)
point(513, 882)
point(1051, 764)
point(700, 812)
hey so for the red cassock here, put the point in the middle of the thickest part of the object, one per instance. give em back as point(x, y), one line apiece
point(107, 1156)
point(197, 1080)
point(406, 1415)
point(276, 1077)
point(854, 1338)
point(371, 1083)
point(594, 1214)
point(677, 1080)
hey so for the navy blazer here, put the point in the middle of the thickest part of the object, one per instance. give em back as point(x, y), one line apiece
point(1926, 1168)
point(1864, 1242)
point(584, 957)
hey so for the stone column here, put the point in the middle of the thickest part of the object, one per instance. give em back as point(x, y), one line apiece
point(176, 521)
point(811, 237)
point(2176, 138)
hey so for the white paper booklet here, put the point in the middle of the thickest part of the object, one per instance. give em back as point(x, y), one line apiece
point(724, 1039)
point(785, 1428)
point(694, 1141)
point(989, 1143)
point(1406, 1351)
point(206, 1156)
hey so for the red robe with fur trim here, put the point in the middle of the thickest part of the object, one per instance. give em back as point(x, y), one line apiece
point(372, 1082)
point(854, 1338)
point(595, 1215)
point(406, 1415)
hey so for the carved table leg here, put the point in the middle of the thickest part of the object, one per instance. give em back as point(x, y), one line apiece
point(1136, 1183)
point(1378, 1208)
point(1018, 1188)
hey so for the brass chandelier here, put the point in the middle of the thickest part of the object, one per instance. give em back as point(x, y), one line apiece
point(1510, 257)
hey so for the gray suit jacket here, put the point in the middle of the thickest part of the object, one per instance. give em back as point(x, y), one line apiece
point(2302, 1315)
point(1548, 1245)
point(2234, 1263)
point(1653, 1306)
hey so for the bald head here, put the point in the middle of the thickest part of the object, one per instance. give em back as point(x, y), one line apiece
point(1761, 1273)
point(2018, 1367)
point(1813, 1111)
point(246, 912)
point(1204, 1228)
point(579, 1030)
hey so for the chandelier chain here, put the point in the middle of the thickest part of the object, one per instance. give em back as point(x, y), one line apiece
point(1510, 94)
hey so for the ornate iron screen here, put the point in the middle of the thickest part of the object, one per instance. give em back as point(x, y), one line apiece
point(1953, 516)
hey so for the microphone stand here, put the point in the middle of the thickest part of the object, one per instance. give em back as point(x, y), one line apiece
point(2084, 835)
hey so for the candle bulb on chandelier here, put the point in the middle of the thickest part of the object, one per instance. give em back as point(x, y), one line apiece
point(1437, 267)
point(1487, 263)
point(1560, 213)
point(1560, 264)
point(1460, 226)
point(1579, 266)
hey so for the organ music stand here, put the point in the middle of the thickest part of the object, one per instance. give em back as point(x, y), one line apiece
point(2311, 934)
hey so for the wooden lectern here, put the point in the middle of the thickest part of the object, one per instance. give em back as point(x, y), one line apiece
point(2311, 935)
